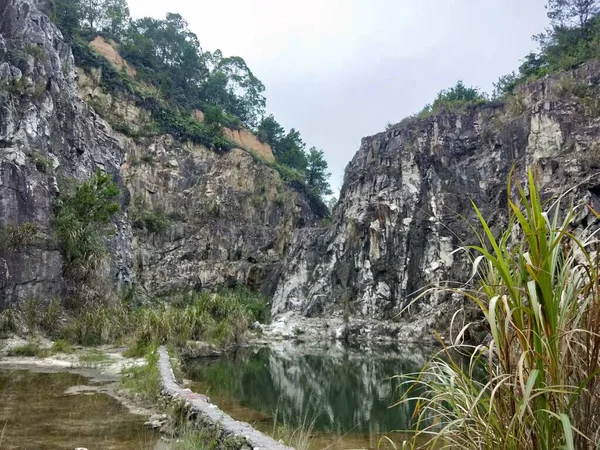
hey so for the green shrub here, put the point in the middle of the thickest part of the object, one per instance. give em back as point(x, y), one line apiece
point(176, 216)
point(156, 221)
point(126, 129)
point(145, 218)
point(148, 159)
point(83, 220)
point(537, 384)
point(42, 163)
point(39, 53)
point(570, 86)
point(515, 105)
point(456, 97)
point(185, 127)
point(112, 79)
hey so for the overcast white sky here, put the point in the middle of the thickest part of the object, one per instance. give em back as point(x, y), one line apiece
point(338, 70)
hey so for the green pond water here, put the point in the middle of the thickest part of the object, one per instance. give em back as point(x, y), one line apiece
point(37, 413)
point(342, 396)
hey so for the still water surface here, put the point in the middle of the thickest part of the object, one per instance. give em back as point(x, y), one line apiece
point(344, 396)
point(37, 413)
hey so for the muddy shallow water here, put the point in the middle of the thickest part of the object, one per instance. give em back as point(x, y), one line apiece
point(38, 412)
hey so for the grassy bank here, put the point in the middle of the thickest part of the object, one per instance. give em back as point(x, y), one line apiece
point(536, 384)
point(220, 318)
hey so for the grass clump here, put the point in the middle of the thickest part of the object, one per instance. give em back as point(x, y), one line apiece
point(138, 349)
point(191, 440)
point(62, 346)
point(94, 358)
point(145, 379)
point(31, 349)
point(17, 236)
point(30, 317)
point(537, 384)
point(9, 322)
point(299, 437)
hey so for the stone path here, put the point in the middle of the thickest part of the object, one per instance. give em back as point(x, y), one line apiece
point(211, 416)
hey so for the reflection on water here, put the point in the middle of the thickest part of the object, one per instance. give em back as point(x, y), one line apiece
point(36, 413)
point(343, 393)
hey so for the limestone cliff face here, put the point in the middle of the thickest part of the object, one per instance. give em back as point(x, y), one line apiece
point(226, 218)
point(230, 218)
point(45, 133)
point(405, 204)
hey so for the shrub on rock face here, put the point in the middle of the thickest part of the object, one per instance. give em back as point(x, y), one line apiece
point(82, 220)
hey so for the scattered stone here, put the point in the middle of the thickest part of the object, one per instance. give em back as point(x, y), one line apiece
point(200, 349)
point(157, 421)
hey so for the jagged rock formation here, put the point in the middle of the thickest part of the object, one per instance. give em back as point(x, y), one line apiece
point(45, 133)
point(404, 208)
point(405, 205)
point(230, 218)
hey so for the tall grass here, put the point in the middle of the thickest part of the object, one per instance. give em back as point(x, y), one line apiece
point(222, 318)
point(144, 379)
point(296, 432)
point(299, 437)
point(536, 385)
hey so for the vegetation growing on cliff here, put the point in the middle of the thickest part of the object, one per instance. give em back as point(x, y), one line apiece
point(15, 236)
point(83, 218)
point(167, 55)
point(536, 385)
point(455, 97)
point(572, 38)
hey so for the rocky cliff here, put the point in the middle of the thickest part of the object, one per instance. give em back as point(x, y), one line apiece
point(405, 205)
point(224, 218)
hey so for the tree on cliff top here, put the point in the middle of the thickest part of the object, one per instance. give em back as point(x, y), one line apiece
point(572, 13)
point(168, 55)
point(270, 131)
point(317, 176)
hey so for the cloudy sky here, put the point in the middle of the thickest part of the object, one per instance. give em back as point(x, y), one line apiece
point(338, 70)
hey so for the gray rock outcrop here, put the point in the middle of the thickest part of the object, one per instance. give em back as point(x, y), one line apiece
point(227, 218)
point(405, 206)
